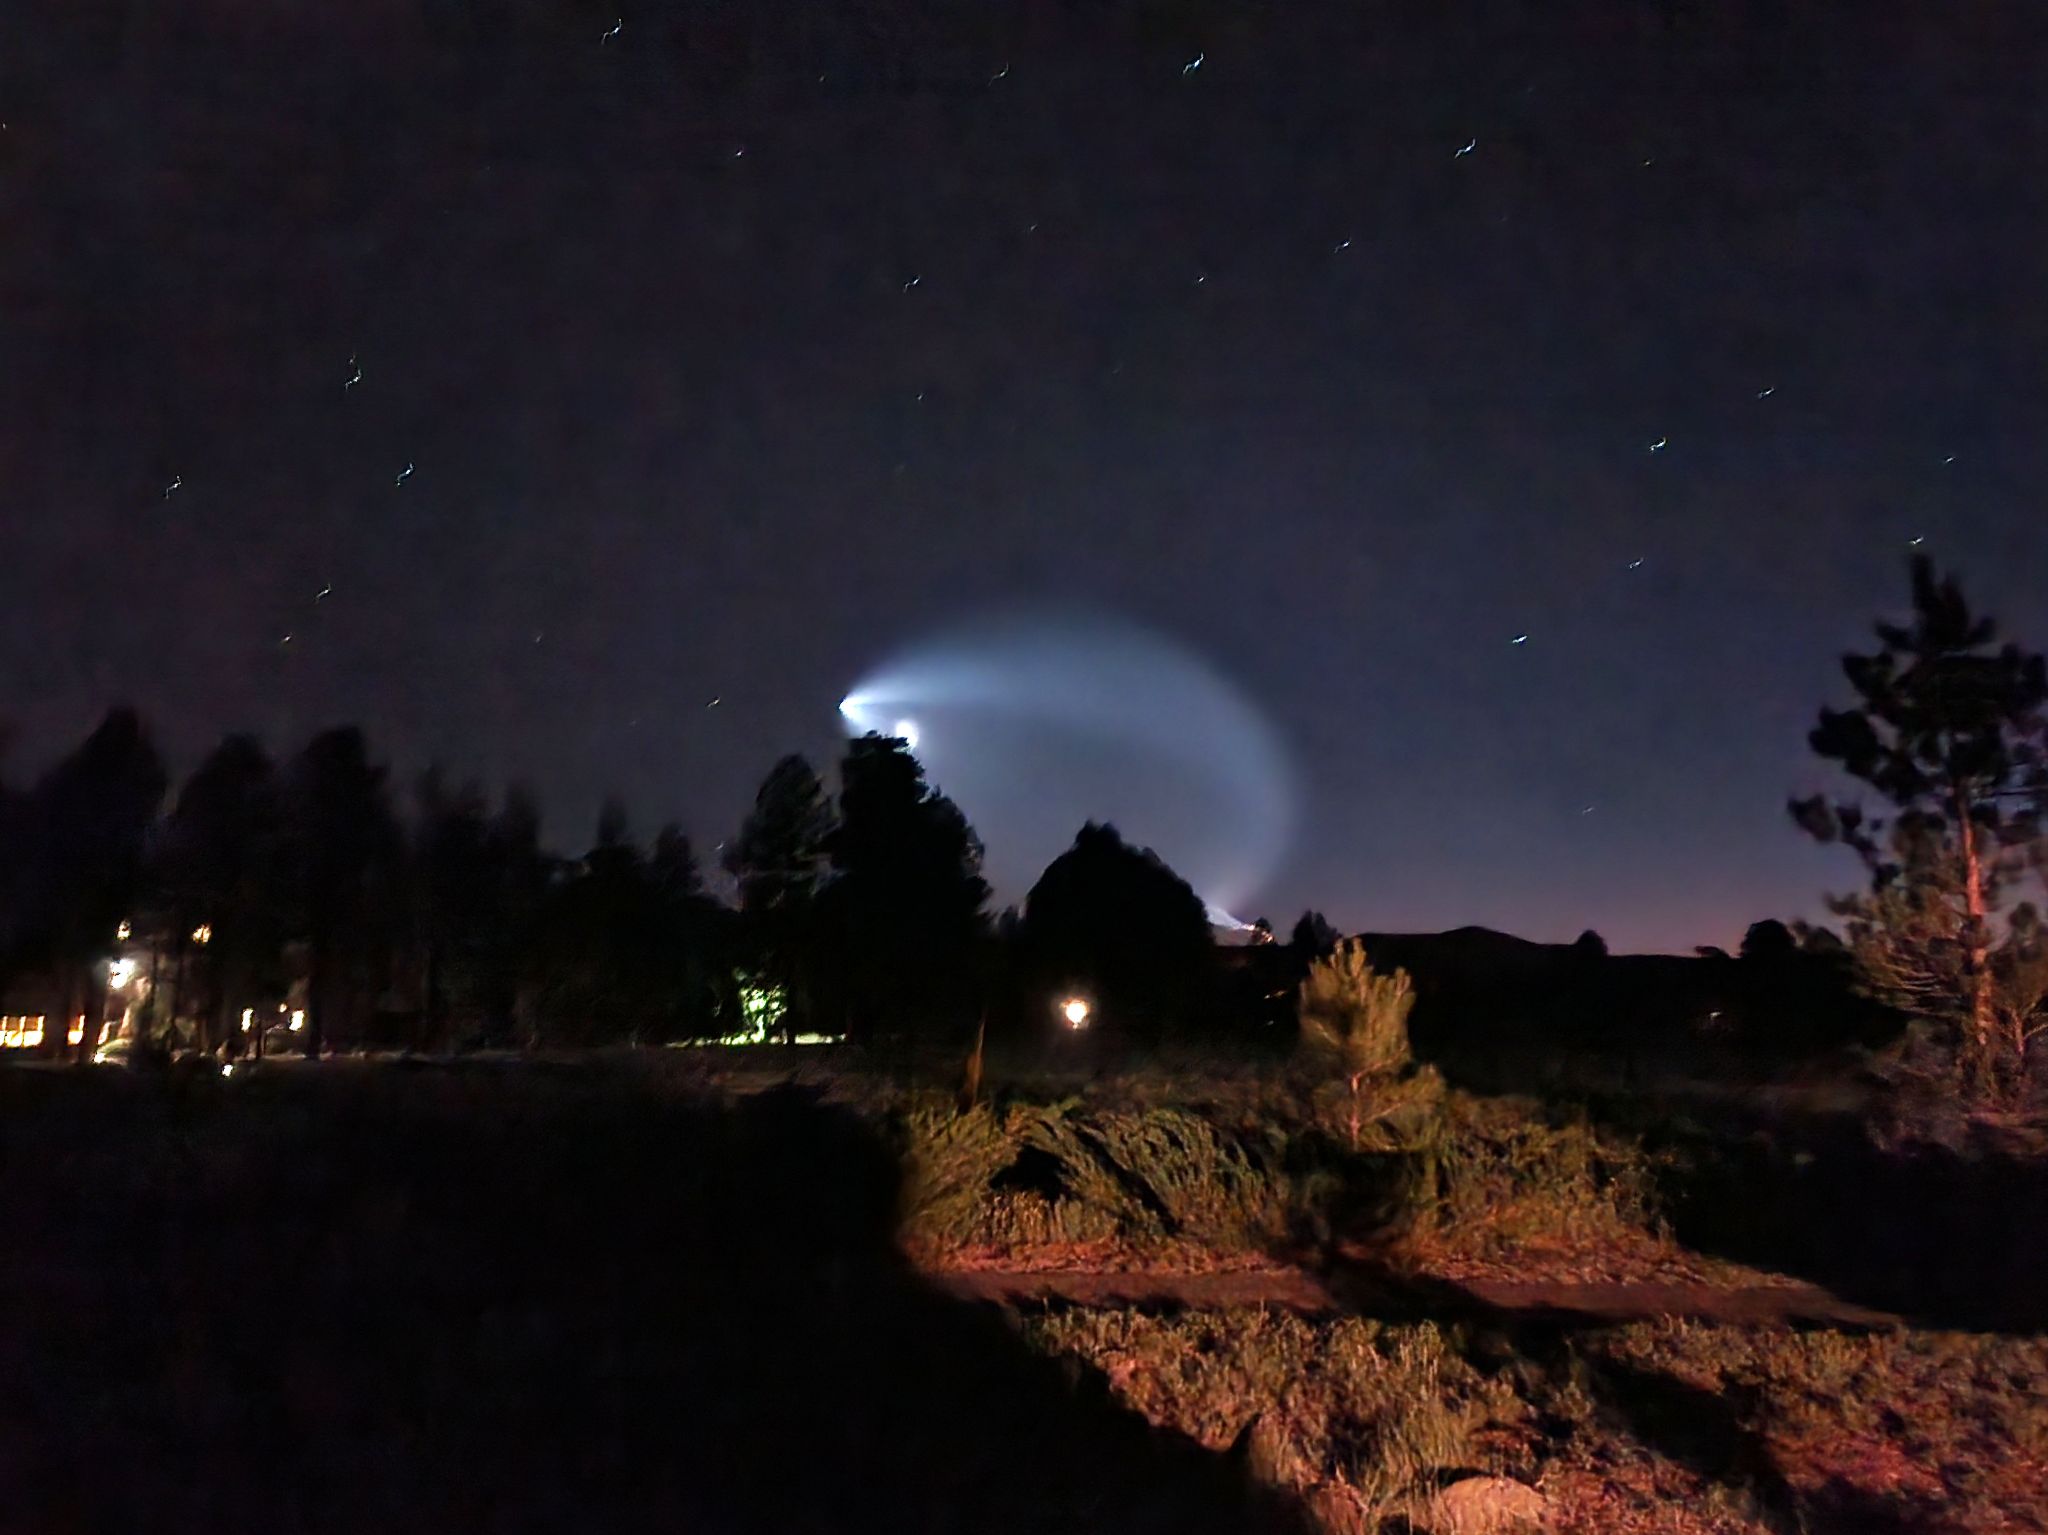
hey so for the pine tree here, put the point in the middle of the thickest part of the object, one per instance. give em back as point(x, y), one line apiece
point(90, 816)
point(1949, 731)
point(1356, 1019)
point(901, 920)
point(778, 861)
point(778, 858)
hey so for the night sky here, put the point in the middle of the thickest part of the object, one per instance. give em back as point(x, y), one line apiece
point(736, 351)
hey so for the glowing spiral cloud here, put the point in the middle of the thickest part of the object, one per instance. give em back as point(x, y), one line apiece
point(1037, 722)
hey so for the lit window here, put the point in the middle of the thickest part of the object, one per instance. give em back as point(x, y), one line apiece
point(20, 1032)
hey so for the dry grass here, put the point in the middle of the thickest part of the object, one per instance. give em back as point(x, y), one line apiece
point(1686, 1430)
point(1439, 1182)
point(1022, 1177)
point(1358, 1418)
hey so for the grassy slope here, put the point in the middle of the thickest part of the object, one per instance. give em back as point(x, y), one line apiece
point(617, 1297)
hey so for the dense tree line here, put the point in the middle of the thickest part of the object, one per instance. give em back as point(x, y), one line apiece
point(427, 916)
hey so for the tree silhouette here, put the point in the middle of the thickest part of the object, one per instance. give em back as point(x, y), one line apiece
point(1769, 942)
point(901, 922)
point(220, 864)
point(778, 862)
point(1313, 937)
point(1113, 920)
point(344, 850)
point(90, 817)
point(1948, 730)
point(693, 934)
point(452, 900)
point(520, 875)
point(606, 967)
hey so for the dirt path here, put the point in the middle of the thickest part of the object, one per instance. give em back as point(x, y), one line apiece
point(1366, 1293)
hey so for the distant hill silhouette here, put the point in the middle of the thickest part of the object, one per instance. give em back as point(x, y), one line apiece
point(1478, 987)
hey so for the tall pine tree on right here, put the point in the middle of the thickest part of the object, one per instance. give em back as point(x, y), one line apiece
point(1948, 730)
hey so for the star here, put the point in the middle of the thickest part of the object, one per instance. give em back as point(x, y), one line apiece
point(177, 482)
point(1660, 444)
point(1341, 245)
point(912, 283)
point(323, 591)
point(1635, 564)
point(616, 28)
point(1466, 150)
point(1765, 394)
point(715, 702)
point(998, 74)
point(355, 374)
point(1193, 64)
point(1520, 639)
point(403, 475)
point(1915, 543)
point(1587, 811)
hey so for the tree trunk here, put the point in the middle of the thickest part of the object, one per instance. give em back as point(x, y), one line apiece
point(1981, 1021)
point(93, 1010)
point(56, 1031)
point(145, 1016)
point(316, 1000)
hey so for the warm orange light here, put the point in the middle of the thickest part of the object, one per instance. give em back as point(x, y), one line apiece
point(1076, 1010)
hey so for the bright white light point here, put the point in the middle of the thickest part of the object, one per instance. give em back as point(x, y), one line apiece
point(907, 729)
point(1075, 1010)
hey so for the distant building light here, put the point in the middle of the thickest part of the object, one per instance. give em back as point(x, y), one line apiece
point(1076, 1010)
point(121, 933)
point(248, 1019)
point(298, 1019)
point(203, 934)
point(75, 1035)
point(120, 971)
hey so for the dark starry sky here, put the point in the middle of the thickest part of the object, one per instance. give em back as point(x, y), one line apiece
point(637, 312)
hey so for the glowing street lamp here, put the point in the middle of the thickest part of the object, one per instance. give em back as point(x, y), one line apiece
point(203, 934)
point(120, 972)
point(1076, 1010)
